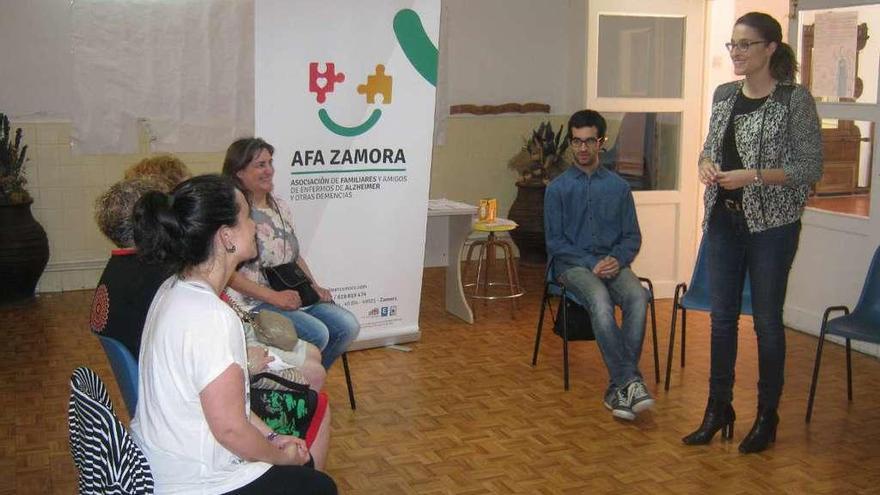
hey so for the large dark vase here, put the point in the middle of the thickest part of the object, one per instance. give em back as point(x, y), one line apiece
point(527, 210)
point(24, 252)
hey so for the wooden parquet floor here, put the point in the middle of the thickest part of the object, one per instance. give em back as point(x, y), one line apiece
point(465, 413)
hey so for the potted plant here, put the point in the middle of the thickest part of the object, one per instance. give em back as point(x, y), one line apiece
point(543, 156)
point(24, 247)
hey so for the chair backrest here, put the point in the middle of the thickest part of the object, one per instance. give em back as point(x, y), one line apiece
point(108, 460)
point(125, 369)
point(869, 300)
point(698, 297)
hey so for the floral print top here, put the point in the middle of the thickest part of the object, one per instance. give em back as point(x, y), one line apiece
point(276, 244)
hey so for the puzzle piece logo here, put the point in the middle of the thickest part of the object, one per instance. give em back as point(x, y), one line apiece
point(419, 50)
point(325, 82)
point(330, 77)
point(378, 83)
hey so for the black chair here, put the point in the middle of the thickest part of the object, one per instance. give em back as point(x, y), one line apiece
point(697, 297)
point(863, 324)
point(554, 288)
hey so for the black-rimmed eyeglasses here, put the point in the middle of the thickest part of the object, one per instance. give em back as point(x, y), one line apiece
point(589, 142)
point(742, 45)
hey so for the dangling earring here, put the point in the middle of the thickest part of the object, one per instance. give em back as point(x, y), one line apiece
point(231, 249)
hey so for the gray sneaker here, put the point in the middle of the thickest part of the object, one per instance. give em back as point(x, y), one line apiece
point(639, 398)
point(618, 402)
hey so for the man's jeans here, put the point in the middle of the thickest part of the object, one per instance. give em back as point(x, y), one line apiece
point(621, 347)
point(767, 256)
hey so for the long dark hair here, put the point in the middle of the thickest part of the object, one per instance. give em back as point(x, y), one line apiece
point(241, 153)
point(177, 229)
point(783, 63)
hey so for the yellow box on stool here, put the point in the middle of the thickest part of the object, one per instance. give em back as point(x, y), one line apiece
point(488, 210)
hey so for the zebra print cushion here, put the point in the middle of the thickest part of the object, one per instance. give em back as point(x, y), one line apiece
point(108, 460)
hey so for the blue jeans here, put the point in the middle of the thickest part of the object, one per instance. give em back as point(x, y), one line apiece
point(767, 256)
point(330, 327)
point(621, 346)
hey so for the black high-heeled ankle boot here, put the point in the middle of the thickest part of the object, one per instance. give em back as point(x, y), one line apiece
point(719, 415)
point(763, 432)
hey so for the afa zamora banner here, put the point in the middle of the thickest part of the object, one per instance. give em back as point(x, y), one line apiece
point(345, 93)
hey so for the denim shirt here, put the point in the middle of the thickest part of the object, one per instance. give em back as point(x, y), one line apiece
point(588, 217)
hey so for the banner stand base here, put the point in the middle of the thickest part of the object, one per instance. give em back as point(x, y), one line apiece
point(412, 335)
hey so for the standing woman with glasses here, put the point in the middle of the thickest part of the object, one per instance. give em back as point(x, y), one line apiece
point(329, 326)
point(761, 156)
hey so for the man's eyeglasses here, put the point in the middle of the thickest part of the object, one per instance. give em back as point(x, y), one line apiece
point(590, 142)
point(742, 45)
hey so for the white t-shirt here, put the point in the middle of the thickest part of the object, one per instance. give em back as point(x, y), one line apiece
point(190, 337)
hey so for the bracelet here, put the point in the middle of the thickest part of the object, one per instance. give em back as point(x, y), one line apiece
point(271, 436)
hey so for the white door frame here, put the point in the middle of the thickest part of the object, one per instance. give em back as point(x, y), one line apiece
point(669, 219)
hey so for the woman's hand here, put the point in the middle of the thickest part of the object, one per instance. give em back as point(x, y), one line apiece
point(286, 299)
point(323, 293)
point(708, 172)
point(257, 359)
point(735, 179)
point(294, 448)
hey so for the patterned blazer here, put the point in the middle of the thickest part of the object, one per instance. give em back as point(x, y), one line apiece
point(784, 132)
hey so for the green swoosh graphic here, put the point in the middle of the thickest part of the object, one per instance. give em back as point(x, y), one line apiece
point(416, 45)
point(349, 131)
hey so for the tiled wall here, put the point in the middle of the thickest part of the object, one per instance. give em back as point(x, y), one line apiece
point(64, 187)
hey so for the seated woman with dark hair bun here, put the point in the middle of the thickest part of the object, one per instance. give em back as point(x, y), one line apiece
point(192, 420)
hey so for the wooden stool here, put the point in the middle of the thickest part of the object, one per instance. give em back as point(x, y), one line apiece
point(486, 257)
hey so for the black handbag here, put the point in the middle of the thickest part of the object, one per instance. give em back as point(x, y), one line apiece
point(288, 409)
point(578, 318)
point(290, 276)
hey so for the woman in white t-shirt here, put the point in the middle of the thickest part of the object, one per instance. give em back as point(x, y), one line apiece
point(193, 420)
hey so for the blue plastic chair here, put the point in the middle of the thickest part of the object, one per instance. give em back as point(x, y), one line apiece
point(862, 324)
point(554, 288)
point(125, 369)
point(697, 297)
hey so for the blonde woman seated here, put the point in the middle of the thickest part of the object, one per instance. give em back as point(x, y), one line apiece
point(166, 169)
point(192, 420)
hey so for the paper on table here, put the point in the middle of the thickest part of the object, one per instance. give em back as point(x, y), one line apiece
point(448, 204)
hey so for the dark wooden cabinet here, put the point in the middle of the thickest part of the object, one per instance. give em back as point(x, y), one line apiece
point(840, 147)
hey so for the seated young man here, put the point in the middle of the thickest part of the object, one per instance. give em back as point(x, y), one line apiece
point(592, 237)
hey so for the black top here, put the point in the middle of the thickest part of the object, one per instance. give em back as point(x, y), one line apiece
point(123, 297)
point(730, 159)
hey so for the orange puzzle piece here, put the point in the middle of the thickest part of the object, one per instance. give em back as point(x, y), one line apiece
point(377, 84)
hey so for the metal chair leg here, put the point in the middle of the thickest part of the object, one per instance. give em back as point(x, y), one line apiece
point(348, 381)
point(675, 307)
point(684, 315)
point(544, 302)
point(653, 327)
point(848, 370)
point(818, 362)
point(564, 337)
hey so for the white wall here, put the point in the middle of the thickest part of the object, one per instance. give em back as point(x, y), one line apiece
point(503, 51)
point(35, 58)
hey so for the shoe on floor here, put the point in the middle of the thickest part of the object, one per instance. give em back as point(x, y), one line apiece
point(639, 398)
point(618, 402)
